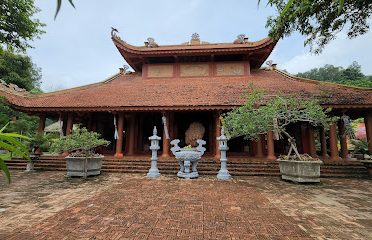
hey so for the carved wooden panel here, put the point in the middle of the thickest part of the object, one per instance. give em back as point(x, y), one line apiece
point(160, 71)
point(194, 70)
point(230, 69)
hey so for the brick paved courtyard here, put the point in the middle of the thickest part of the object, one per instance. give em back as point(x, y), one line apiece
point(45, 205)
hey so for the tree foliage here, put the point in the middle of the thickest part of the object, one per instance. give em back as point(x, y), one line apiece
point(81, 143)
point(258, 115)
point(352, 75)
point(319, 21)
point(17, 24)
point(20, 70)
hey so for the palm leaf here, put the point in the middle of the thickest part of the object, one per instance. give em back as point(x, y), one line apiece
point(15, 135)
point(13, 149)
point(14, 142)
point(341, 6)
point(287, 6)
point(59, 4)
point(5, 169)
point(3, 128)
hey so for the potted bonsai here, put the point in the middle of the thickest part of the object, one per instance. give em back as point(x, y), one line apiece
point(82, 160)
point(257, 116)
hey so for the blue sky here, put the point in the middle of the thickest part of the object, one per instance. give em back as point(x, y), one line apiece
point(77, 50)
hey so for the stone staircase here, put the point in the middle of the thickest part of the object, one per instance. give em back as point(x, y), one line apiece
point(207, 166)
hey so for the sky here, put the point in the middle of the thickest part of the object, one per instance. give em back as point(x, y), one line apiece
point(77, 48)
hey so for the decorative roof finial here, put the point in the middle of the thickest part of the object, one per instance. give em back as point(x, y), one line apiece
point(195, 36)
point(151, 43)
point(195, 39)
point(240, 39)
point(113, 32)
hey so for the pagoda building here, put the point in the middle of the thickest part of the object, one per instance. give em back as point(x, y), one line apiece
point(192, 82)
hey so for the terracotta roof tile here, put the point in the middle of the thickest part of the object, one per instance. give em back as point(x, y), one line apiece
point(133, 92)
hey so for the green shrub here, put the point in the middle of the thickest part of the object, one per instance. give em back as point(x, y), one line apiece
point(81, 143)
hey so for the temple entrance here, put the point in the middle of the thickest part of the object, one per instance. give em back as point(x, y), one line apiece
point(182, 121)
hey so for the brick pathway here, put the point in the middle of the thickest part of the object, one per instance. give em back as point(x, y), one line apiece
point(117, 206)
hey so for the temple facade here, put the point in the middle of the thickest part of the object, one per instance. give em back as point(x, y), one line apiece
point(173, 86)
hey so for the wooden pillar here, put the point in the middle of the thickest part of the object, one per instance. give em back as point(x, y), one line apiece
point(333, 142)
point(69, 124)
point(343, 140)
point(312, 147)
point(270, 146)
point(368, 124)
point(165, 140)
point(305, 138)
point(131, 135)
point(217, 133)
point(119, 141)
point(40, 131)
point(259, 149)
point(41, 126)
point(323, 143)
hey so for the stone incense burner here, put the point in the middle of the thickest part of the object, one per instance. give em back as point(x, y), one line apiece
point(188, 157)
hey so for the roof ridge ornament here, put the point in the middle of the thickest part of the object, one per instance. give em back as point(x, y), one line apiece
point(195, 39)
point(114, 32)
point(150, 43)
point(241, 39)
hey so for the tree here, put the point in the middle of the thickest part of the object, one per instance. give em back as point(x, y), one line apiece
point(351, 76)
point(257, 116)
point(17, 25)
point(319, 21)
point(19, 69)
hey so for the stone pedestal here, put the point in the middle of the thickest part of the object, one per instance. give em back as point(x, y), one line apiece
point(223, 173)
point(154, 147)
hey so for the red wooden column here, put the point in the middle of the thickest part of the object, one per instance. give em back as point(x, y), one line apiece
point(270, 146)
point(70, 123)
point(312, 148)
point(119, 141)
point(343, 139)
point(41, 126)
point(131, 135)
point(323, 143)
point(217, 128)
point(333, 142)
point(40, 130)
point(368, 124)
point(165, 140)
point(259, 149)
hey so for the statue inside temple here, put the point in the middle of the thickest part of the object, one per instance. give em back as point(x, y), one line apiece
point(195, 131)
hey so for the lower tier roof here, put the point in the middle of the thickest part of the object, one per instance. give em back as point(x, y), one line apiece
point(130, 92)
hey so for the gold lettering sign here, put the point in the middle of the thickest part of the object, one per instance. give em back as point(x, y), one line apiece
point(160, 71)
point(230, 69)
point(194, 70)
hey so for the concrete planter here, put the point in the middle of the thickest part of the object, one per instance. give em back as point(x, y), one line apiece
point(300, 171)
point(83, 167)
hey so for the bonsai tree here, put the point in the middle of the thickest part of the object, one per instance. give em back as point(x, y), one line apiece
point(258, 115)
point(11, 142)
point(81, 143)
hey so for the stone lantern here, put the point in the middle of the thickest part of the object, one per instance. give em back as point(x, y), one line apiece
point(223, 174)
point(154, 147)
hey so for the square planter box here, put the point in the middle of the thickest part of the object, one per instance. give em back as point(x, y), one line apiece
point(300, 171)
point(83, 167)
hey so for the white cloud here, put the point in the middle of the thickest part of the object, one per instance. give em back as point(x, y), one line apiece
point(340, 52)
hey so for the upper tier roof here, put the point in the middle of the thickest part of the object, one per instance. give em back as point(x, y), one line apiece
point(257, 52)
point(130, 92)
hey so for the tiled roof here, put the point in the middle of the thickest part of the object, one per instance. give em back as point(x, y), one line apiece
point(136, 56)
point(132, 92)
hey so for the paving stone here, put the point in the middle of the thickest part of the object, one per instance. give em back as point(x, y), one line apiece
point(46, 205)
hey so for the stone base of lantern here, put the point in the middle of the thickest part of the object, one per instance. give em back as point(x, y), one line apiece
point(223, 175)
